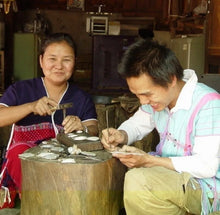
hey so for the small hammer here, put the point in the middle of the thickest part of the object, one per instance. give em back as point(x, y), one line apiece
point(63, 107)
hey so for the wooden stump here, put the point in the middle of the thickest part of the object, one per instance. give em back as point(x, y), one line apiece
point(52, 188)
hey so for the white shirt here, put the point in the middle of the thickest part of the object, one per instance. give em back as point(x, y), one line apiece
point(205, 159)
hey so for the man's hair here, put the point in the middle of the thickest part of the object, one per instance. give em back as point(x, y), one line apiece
point(150, 58)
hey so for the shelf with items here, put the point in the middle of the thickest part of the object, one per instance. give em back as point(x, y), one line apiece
point(2, 78)
point(213, 37)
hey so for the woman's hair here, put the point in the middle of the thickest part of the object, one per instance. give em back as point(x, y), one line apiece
point(56, 38)
point(151, 58)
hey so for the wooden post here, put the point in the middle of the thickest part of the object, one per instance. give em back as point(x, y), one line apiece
point(53, 188)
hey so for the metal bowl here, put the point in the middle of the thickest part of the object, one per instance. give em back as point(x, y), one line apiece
point(102, 99)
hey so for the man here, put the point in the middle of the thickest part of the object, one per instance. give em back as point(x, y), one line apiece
point(183, 174)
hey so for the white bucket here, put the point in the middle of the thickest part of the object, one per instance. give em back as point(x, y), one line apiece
point(114, 28)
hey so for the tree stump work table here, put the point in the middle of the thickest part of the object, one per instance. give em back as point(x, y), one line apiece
point(86, 187)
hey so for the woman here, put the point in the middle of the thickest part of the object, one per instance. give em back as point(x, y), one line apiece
point(29, 106)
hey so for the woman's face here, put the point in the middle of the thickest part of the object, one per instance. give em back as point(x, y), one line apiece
point(58, 62)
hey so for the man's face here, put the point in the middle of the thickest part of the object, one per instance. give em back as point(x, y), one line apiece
point(149, 93)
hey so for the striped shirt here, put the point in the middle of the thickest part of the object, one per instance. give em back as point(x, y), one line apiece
point(201, 158)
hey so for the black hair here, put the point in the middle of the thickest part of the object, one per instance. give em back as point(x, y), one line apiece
point(146, 33)
point(151, 58)
point(58, 37)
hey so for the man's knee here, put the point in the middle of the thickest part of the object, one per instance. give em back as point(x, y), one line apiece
point(138, 178)
point(134, 179)
point(134, 188)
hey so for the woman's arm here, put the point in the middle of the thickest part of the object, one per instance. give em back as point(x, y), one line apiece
point(12, 114)
point(92, 127)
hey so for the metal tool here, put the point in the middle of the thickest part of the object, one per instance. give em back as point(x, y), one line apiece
point(63, 107)
point(107, 126)
point(107, 123)
point(90, 158)
point(126, 153)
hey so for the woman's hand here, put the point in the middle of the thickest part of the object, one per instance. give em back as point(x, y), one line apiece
point(72, 123)
point(112, 137)
point(44, 106)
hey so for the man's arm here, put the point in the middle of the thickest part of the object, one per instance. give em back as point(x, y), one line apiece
point(205, 158)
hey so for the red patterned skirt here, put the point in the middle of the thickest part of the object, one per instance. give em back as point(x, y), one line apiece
point(22, 138)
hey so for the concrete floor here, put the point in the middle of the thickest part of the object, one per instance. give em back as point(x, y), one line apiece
point(10, 211)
